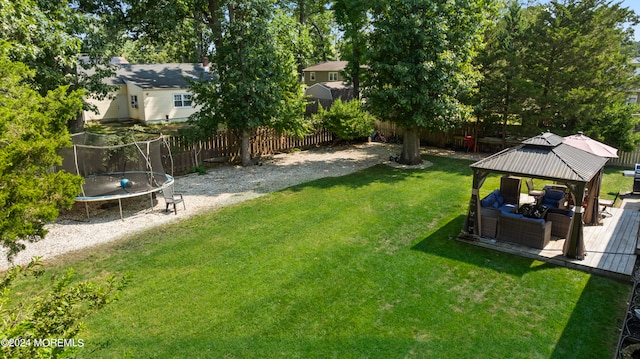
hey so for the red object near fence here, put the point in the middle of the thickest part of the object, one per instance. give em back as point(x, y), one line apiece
point(469, 143)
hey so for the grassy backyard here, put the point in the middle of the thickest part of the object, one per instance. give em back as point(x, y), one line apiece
point(359, 266)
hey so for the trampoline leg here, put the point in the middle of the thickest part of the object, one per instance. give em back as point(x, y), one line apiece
point(86, 206)
point(120, 205)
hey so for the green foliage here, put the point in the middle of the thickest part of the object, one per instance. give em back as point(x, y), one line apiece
point(562, 66)
point(46, 323)
point(32, 131)
point(577, 63)
point(503, 89)
point(256, 82)
point(353, 18)
point(615, 126)
point(346, 120)
point(200, 169)
point(420, 60)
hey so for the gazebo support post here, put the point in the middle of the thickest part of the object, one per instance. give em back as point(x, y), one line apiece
point(574, 244)
point(473, 223)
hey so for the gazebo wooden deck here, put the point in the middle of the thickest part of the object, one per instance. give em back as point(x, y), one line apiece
point(611, 247)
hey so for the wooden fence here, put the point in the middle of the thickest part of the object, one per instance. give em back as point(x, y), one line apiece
point(626, 159)
point(224, 146)
point(453, 139)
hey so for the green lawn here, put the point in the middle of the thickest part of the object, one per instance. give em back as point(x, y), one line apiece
point(361, 266)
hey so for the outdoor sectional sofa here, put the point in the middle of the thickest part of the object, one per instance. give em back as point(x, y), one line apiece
point(531, 232)
point(500, 221)
point(490, 208)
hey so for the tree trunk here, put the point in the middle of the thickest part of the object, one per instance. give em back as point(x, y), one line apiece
point(245, 149)
point(411, 147)
point(77, 125)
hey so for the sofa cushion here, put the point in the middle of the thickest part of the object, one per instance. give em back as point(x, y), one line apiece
point(522, 217)
point(488, 200)
point(552, 197)
point(499, 198)
point(492, 200)
point(566, 212)
point(507, 208)
point(514, 215)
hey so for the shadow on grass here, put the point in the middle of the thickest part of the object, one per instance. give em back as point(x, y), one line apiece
point(593, 327)
point(442, 243)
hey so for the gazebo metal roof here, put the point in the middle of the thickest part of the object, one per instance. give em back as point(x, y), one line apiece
point(544, 156)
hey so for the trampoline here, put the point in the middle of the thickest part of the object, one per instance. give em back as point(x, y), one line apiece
point(118, 166)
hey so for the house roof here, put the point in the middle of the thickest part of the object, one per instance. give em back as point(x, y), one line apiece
point(156, 76)
point(159, 76)
point(544, 156)
point(328, 66)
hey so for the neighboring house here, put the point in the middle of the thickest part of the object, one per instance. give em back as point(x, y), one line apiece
point(330, 71)
point(325, 93)
point(330, 91)
point(149, 93)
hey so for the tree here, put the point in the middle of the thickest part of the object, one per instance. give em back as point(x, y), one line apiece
point(421, 56)
point(54, 313)
point(578, 62)
point(353, 18)
point(32, 131)
point(255, 83)
point(315, 28)
point(503, 89)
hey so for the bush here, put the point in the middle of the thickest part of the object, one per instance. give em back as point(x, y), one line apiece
point(45, 323)
point(346, 120)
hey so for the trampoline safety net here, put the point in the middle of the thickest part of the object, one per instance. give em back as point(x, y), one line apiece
point(117, 165)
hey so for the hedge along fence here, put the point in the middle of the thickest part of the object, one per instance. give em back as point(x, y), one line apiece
point(224, 146)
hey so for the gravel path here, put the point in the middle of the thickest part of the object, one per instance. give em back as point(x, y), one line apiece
point(220, 187)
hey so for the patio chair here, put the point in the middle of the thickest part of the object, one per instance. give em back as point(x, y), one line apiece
point(607, 203)
point(171, 198)
point(535, 193)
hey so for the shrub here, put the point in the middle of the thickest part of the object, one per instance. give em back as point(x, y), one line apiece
point(46, 322)
point(346, 120)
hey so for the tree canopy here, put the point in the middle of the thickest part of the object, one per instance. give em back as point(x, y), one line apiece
point(32, 131)
point(563, 66)
point(420, 59)
point(255, 82)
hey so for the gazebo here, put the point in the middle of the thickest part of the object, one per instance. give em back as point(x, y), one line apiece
point(546, 157)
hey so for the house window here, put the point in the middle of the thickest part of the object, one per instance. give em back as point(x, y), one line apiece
point(632, 99)
point(312, 76)
point(333, 76)
point(181, 100)
point(134, 101)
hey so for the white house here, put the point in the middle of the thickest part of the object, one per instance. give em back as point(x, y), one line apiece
point(149, 93)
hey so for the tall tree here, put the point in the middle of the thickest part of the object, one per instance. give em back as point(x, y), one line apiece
point(314, 24)
point(353, 19)
point(255, 83)
point(32, 131)
point(421, 54)
point(503, 88)
point(578, 62)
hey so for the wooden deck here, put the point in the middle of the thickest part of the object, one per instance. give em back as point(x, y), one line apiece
point(612, 247)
